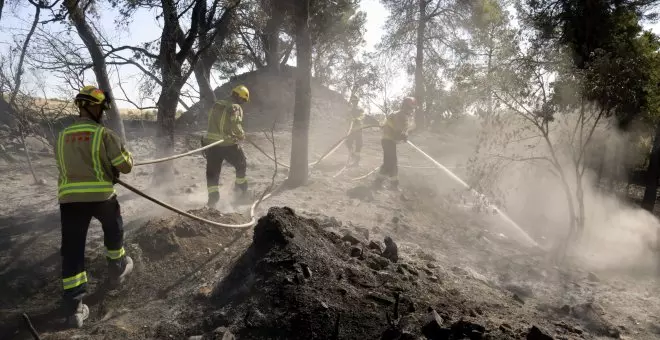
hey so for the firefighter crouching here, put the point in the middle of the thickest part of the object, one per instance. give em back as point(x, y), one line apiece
point(226, 124)
point(354, 141)
point(395, 130)
point(89, 159)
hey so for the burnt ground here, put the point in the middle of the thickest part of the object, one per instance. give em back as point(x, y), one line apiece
point(314, 270)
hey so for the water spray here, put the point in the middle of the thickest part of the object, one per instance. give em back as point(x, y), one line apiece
point(502, 214)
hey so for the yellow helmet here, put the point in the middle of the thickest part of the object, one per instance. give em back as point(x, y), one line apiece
point(91, 95)
point(242, 92)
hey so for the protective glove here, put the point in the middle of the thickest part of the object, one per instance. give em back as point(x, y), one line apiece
point(115, 175)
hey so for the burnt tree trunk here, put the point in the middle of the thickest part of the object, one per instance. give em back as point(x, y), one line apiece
point(272, 43)
point(211, 38)
point(419, 66)
point(98, 61)
point(300, 133)
point(652, 173)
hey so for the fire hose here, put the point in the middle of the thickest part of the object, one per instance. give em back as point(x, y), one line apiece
point(502, 214)
point(253, 220)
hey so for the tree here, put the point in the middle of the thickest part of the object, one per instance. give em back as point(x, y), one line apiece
point(298, 172)
point(98, 61)
point(428, 27)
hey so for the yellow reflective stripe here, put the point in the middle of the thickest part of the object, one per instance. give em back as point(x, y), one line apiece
point(83, 125)
point(60, 158)
point(213, 188)
point(79, 129)
point(96, 154)
point(124, 157)
point(115, 254)
point(214, 136)
point(74, 281)
point(241, 180)
point(83, 187)
point(222, 122)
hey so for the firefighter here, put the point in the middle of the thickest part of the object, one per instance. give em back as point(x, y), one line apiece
point(226, 124)
point(89, 159)
point(395, 130)
point(354, 141)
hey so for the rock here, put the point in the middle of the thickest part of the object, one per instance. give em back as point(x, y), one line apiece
point(189, 190)
point(431, 265)
point(433, 329)
point(433, 278)
point(356, 251)
point(377, 262)
point(395, 219)
point(405, 335)
point(463, 328)
point(593, 277)
point(391, 251)
point(384, 300)
point(376, 246)
point(363, 232)
point(195, 337)
point(334, 236)
point(42, 181)
point(518, 298)
point(410, 269)
point(536, 333)
point(306, 271)
point(222, 333)
point(351, 239)
point(522, 291)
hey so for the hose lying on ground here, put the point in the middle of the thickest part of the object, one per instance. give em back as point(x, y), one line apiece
point(252, 222)
point(504, 216)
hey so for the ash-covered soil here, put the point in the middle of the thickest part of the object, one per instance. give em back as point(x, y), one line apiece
point(315, 270)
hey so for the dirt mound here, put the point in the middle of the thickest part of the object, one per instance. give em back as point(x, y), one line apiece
point(301, 279)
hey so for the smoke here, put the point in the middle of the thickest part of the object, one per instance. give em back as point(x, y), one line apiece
point(516, 164)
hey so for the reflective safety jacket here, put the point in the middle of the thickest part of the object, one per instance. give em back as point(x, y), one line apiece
point(397, 125)
point(357, 117)
point(225, 123)
point(88, 155)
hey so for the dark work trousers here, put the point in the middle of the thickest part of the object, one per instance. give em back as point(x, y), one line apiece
point(389, 167)
point(75, 218)
point(354, 142)
point(214, 157)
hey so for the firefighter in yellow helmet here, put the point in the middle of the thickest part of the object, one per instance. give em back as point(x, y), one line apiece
point(354, 141)
point(395, 130)
point(89, 159)
point(226, 124)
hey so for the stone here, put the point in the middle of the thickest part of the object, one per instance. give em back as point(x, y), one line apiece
point(593, 277)
point(222, 333)
point(433, 278)
point(334, 236)
point(351, 239)
point(536, 333)
point(432, 328)
point(356, 251)
point(376, 246)
point(391, 251)
point(381, 299)
point(463, 328)
point(377, 263)
point(522, 291)
point(363, 231)
point(306, 271)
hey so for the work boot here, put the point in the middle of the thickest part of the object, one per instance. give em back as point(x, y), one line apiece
point(79, 316)
point(214, 198)
point(119, 270)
